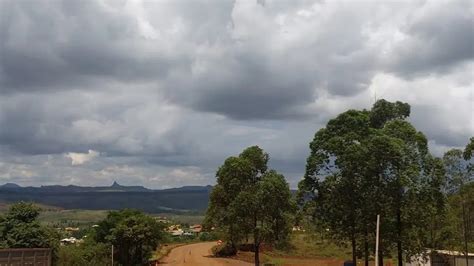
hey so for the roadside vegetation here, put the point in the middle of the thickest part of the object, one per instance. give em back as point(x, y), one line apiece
point(250, 203)
point(368, 163)
point(363, 163)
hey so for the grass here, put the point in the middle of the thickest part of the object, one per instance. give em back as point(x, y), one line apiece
point(4, 206)
point(93, 216)
point(304, 249)
point(183, 218)
point(304, 245)
point(307, 249)
point(72, 216)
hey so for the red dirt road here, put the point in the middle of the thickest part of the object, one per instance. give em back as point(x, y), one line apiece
point(198, 254)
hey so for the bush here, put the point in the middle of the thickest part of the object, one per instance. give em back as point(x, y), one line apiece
point(88, 253)
point(208, 236)
point(247, 247)
point(224, 250)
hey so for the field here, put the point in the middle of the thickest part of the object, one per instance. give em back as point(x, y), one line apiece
point(77, 217)
point(305, 249)
point(52, 215)
point(305, 245)
point(184, 218)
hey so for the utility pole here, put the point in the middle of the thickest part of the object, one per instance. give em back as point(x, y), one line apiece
point(112, 255)
point(377, 241)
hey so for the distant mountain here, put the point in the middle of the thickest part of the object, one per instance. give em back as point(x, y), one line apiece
point(72, 188)
point(10, 185)
point(190, 188)
point(116, 196)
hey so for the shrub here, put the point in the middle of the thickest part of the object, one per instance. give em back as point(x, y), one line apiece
point(224, 250)
point(208, 236)
point(88, 253)
point(247, 247)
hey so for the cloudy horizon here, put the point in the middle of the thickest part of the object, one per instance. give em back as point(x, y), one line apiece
point(159, 93)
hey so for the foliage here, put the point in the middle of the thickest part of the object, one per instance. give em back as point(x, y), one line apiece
point(460, 174)
point(19, 228)
point(312, 245)
point(365, 163)
point(133, 234)
point(250, 200)
point(208, 236)
point(87, 253)
point(224, 250)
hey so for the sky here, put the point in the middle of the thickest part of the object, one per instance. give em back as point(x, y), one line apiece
point(160, 93)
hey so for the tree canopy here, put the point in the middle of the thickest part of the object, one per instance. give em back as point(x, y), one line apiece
point(369, 162)
point(133, 234)
point(19, 228)
point(250, 200)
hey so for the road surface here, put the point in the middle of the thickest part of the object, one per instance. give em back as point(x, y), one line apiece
point(198, 254)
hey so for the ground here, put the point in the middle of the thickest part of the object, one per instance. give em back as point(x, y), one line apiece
point(198, 254)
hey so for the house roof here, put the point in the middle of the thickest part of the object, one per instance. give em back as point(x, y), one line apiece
point(453, 253)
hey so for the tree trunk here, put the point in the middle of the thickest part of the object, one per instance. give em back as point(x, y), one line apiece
point(366, 247)
point(399, 238)
point(380, 257)
point(257, 254)
point(354, 257)
point(465, 225)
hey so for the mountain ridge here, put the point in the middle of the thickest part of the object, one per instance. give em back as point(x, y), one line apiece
point(114, 197)
point(115, 187)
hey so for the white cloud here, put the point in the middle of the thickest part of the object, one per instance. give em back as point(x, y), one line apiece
point(81, 158)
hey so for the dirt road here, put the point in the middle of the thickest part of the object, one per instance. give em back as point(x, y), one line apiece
point(199, 255)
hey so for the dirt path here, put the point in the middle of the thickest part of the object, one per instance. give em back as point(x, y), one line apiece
point(198, 254)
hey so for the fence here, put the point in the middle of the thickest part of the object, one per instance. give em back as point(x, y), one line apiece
point(25, 257)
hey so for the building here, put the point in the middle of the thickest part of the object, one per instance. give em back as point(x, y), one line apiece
point(197, 228)
point(442, 258)
point(71, 240)
point(175, 230)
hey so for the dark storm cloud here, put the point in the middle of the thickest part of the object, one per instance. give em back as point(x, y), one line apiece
point(157, 86)
point(67, 44)
point(428, 120)
point(64, 122)
point(437, 38)
point(60, 44)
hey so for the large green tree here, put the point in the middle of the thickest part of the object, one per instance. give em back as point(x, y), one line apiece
point(249, 200)
point(134, 235)
point(365, 163)
point(19, 228)
point(338, 153)
point(460, 172)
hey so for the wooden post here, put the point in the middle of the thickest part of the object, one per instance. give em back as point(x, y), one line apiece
point(49, 257)
point(377, 241)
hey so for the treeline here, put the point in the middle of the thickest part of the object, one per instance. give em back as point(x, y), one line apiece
point(133, 235)
point(365, 163)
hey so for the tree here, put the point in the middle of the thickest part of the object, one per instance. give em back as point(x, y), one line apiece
point(460, 171)
point(365, 163)
point(339, 156)
point(87, 253)
point(250, 200)
point(133, 234)
point(19, 228)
